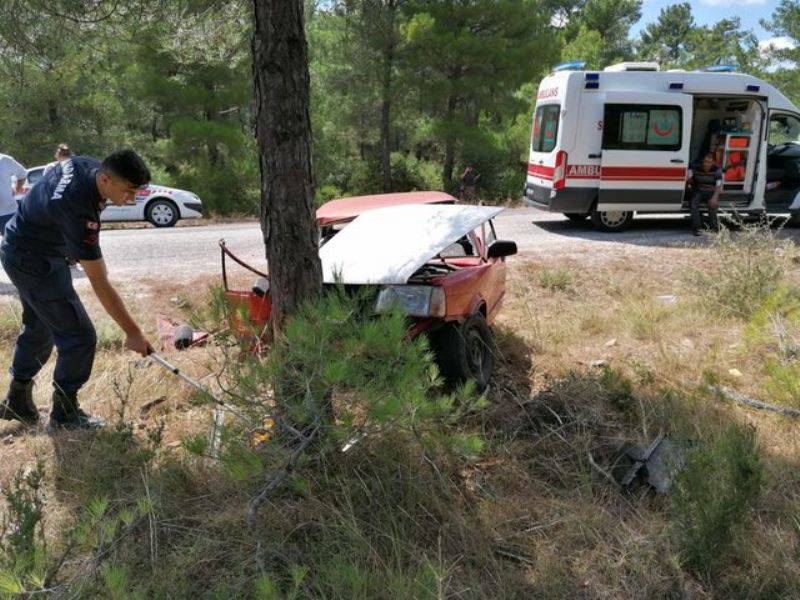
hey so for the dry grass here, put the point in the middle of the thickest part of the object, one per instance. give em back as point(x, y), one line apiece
point(534, 516)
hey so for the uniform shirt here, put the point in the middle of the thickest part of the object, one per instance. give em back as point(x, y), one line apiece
point(706, 180)
point(9, 168)
point(60, 215)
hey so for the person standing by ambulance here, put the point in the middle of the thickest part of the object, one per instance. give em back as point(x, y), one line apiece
point(60, 219)
point(705, 181)
point(8, 205)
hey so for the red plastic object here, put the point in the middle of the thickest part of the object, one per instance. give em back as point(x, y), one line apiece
point(249, 312)
point(739, 142)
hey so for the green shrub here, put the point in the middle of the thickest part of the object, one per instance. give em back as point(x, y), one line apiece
point(336, 355)
point(713, 497)
point(326, 193)
point(408, 174)
point(775, 329)
point(745, 268)
point(23, 560)
point(555, 280)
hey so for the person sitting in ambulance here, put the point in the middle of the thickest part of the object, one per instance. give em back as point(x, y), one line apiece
point(705, 184)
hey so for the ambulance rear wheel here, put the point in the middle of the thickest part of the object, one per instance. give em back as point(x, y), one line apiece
point(577, 217)
point(612, 220)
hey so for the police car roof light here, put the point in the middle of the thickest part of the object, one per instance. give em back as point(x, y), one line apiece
point(720, 68)
point(575, 65)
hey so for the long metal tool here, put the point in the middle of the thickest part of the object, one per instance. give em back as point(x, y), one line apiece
point(176, 371)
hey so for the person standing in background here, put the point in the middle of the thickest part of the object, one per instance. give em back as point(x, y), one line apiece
point(8, 205)
point(63, 152)
point(469, 179)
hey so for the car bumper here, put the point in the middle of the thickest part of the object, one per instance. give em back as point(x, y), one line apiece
point(191, 210)
point(567, 200)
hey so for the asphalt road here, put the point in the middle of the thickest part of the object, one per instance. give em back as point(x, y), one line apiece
point(183, 253)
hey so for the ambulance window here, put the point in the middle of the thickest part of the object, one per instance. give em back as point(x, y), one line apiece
point(783, 129)
point(642, 127)
point(545, 128)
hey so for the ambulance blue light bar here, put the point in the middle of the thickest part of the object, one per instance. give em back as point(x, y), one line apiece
point(575, 65)
point(753, 88)
point(593, 77)
point(720, 68)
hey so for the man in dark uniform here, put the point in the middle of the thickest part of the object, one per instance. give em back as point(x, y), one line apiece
point(60, 220)
point(705, 180)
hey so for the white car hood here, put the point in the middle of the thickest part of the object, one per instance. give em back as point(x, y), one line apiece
point(388, 245)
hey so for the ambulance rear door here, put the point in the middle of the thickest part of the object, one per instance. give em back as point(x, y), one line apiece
point(645, 151)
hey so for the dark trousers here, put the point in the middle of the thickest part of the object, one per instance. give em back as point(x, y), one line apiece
point(699, 196)
point(3, 222)
point(52, 314)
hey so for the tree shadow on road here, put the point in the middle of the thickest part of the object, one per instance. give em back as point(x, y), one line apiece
point(667, 232)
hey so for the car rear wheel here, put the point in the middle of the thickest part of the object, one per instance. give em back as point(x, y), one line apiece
point(162, 213)
point(612, 220)
point(465, 351)
point(577, 217)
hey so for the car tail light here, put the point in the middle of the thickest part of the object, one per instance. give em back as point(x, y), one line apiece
point(560, 172)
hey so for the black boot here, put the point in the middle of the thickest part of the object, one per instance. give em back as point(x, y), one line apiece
point(18, 405)
point(66, 413)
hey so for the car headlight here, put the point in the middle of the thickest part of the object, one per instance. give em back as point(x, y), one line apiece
point(413, 300)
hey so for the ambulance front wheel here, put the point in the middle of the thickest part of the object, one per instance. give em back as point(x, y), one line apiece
point(612, 220)
point(577, 217)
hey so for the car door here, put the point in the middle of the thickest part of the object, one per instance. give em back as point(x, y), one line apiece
point(645, 151)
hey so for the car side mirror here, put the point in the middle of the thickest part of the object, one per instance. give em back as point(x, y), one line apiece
point(501, 248)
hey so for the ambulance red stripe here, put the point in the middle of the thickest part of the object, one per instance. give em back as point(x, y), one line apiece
point(613, 173)
point(645, 173)
point(541, 171)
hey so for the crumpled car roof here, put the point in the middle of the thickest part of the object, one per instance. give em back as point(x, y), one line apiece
point(388, 245)
point(346, 209)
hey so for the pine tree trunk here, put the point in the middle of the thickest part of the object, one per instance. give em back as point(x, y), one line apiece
point(449, 146)
point(386, 93)
point(283, 131)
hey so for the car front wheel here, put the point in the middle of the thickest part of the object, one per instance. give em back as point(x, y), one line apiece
point(465, 351)
point(612, 220)
point(162, 213)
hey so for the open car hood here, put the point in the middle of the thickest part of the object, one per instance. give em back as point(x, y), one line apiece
point(389, 245)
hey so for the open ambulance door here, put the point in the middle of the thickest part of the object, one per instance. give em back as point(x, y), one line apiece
point(645, 151)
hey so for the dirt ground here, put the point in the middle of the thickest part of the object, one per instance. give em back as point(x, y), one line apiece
point(578, 304)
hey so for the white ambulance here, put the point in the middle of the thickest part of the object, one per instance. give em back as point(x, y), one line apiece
point(608, 144)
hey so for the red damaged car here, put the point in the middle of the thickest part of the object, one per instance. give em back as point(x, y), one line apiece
point(440, 263)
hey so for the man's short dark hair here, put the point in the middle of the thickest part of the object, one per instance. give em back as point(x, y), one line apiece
point(128, 165)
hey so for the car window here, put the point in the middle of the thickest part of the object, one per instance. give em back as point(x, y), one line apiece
point(783, 128)
point(642, 127)
point(35, 175)
point(461, 248)
point(545, 128)
point(490, 236)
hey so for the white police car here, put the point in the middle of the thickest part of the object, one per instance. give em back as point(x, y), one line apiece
point(160, 205)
